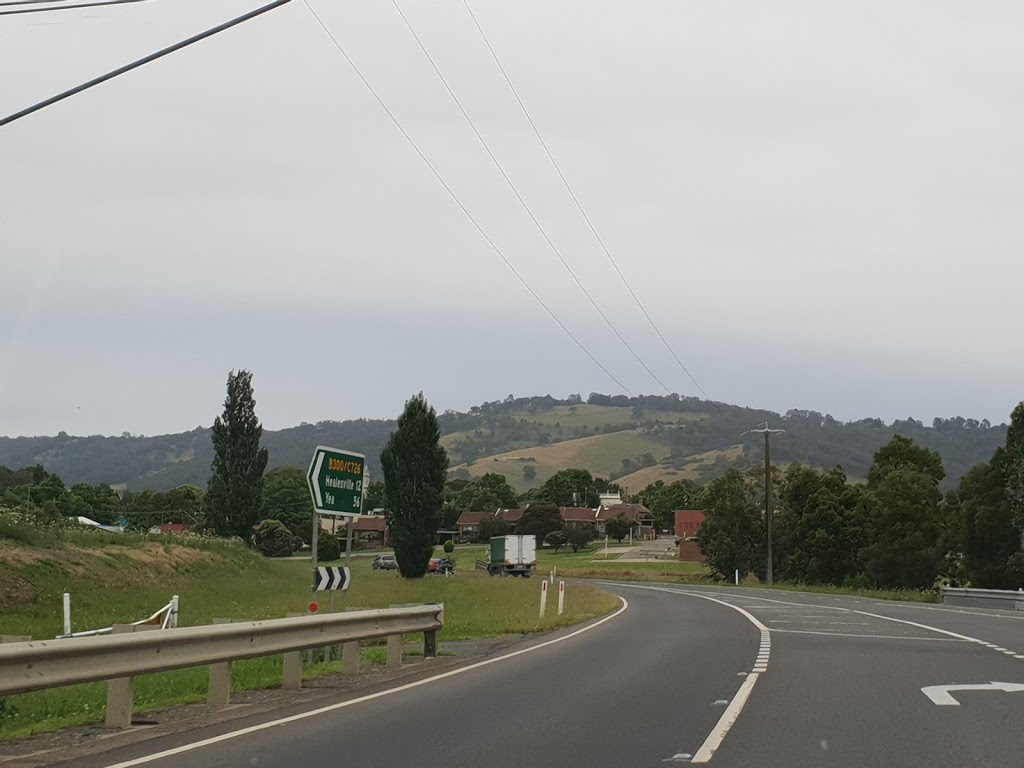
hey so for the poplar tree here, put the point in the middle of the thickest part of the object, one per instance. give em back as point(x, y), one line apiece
point(235, 492)
point(415, 467)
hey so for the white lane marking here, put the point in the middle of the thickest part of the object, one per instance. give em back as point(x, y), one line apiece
point(725, 722)
point(947, 610)
point(940, 694)
point(875, 616)
point(370, 697)
point(957, 635)
point(732, 712)
point(873, 637)
point(720, 703)
point(883, 618)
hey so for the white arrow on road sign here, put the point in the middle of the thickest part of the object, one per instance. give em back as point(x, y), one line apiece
point(940, 694)
point(330, 578)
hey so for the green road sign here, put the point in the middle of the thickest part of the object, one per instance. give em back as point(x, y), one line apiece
point(336, 481)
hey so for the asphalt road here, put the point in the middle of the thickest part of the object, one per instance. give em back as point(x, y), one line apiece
point(838, 684)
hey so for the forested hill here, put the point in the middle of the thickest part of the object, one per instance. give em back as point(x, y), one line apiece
point(633, 440)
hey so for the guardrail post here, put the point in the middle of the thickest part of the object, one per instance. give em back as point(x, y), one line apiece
point(219, 692)
point(430, 637)
point(293, 664)
point(430, 644)
point(394, 652)
point(350, 658)
point(121, 690)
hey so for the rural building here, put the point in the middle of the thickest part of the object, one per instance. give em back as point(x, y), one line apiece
point(510, 515)
point(610, 499)
point(640, 516)
point(370, 530)
point(689, 552)
point(688, 522)
point(574, 517)
point(468, 524)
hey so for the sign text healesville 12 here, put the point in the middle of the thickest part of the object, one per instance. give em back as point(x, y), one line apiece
point(336, 481)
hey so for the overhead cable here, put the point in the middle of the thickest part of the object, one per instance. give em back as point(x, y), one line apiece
point(579, 206)
point(48, 8)
point(523, 203)
point(459, 203)
point(145, 60)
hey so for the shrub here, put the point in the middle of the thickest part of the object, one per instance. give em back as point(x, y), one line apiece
point(449, 547)
point(28, 527)
point(580, 536)
point(328, 547)
point(557, 539)
point(271, 538)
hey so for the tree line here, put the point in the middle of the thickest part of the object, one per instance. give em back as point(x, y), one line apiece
point(897, 530)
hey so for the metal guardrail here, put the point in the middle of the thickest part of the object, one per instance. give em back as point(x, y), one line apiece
point(1001, 599)
point(42, 664)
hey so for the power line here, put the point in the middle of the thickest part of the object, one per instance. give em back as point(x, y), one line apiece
point(522, 202)
point(458, 202)
point(139, 62)
point(61, 7)
point(579, 206)
point(31, 2)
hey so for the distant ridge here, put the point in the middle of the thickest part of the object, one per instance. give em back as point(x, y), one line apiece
point(634, 440)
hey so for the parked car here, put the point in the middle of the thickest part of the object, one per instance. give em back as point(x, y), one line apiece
point(385, 563)
point(441, 565)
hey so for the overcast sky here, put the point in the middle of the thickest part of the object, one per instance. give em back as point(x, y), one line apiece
point(820, 205)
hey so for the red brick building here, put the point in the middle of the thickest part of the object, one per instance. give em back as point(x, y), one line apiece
point(688, 522)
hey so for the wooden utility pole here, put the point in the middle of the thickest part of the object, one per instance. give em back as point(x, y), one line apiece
point(767, 493)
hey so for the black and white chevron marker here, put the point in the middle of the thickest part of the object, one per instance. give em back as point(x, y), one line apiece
point(328, 579)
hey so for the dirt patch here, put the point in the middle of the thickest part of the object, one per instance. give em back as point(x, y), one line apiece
point(14, 590)
point(123, 565)
point(10, 555)
point(166, 556)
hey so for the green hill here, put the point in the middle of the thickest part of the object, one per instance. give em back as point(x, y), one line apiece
point(633, 440)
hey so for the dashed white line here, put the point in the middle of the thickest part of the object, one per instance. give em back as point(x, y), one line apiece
point(732, 712)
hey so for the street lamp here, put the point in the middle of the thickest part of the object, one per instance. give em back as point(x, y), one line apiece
point(767, 491)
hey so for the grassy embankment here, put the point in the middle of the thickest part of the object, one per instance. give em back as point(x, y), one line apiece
point(591, 564)
point(119, 579)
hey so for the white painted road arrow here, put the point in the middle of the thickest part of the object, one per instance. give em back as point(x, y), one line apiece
point(940, 694)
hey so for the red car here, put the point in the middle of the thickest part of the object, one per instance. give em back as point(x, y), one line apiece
point(440, 565)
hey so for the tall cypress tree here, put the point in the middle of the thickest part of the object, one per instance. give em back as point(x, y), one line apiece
point(415, 466)
point(235, 493)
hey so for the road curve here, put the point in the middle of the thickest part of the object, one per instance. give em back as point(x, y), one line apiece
point(684, 675)
point(635, 690)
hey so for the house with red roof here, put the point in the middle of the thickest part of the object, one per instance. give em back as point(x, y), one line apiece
point(579, 516)
point(468, 524)
point(640, 516)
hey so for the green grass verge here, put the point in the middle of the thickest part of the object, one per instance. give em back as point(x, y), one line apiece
point(591, 565)
point(898, 595)
point(221, 580)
